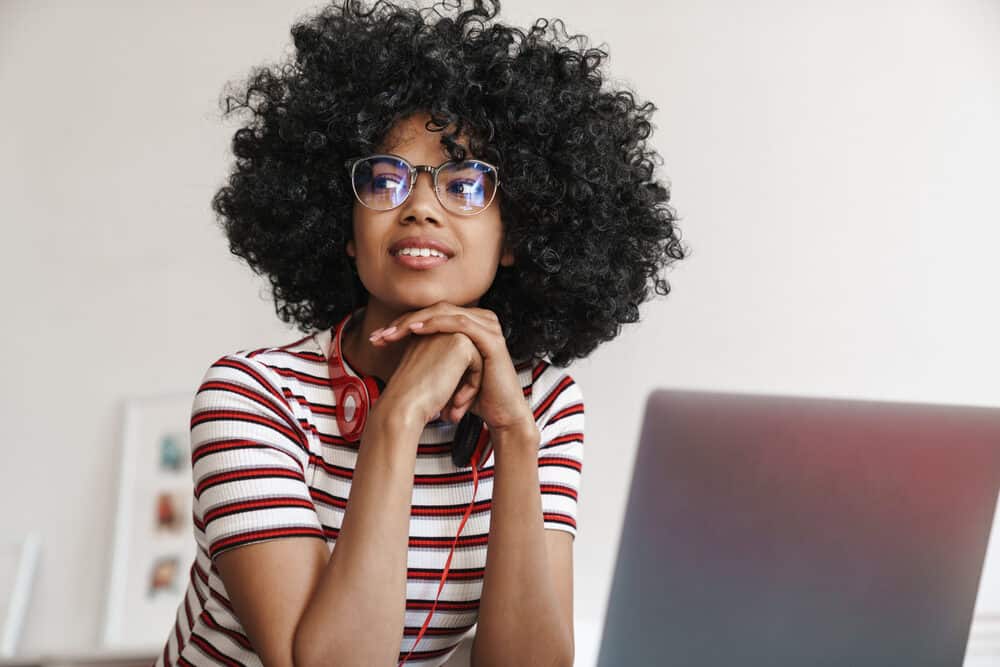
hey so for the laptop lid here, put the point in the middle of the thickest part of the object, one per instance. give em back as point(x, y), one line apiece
point(777, 530)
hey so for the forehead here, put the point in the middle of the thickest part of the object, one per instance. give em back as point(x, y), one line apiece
point(411, 133)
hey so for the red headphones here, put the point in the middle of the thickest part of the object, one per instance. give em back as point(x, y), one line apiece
point(353, 397)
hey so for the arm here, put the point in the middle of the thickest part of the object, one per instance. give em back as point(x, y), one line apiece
point(526, 607)
point(303, 606)
point(357, 612)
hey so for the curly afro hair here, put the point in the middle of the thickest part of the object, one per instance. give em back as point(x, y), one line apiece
point(590, 227)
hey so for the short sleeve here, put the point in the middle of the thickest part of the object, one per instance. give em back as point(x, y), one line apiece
point(558, 409)
point(249, 459)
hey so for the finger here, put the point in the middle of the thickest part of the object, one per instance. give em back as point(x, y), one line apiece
point(468, 391)
point(409, 324)
point(470, 384)
point(458, 413)
point(488, 341)
point(486, 317)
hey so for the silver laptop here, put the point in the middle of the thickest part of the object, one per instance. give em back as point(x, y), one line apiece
point(783, 531)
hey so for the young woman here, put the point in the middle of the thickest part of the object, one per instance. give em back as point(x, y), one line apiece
point(452, 210)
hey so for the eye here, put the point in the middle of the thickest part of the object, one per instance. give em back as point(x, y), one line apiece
point(386, 182)
point(465, 187)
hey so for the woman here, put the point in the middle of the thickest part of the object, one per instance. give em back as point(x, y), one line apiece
point(452, 211)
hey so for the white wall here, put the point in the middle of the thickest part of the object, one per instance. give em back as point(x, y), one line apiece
point(835, 166)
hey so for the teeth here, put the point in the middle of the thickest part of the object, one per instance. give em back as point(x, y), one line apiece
point(420, 252)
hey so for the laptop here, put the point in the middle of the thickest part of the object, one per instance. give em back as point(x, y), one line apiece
point(779, 530)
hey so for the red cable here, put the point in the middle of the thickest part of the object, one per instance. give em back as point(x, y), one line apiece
point(447, 563)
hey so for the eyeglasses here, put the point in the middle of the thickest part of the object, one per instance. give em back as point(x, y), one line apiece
point(383, 182)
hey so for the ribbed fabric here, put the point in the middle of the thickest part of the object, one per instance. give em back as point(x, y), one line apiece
point(268, 462)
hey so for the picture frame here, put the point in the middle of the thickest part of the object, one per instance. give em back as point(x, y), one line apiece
point(18, 562)
point(153, 540)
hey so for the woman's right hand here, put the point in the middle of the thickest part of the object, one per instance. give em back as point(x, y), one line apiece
point(431, 371)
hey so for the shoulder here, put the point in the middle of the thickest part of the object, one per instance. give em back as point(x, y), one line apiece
point(303, 357)
point(272, 370)
point(552, 391)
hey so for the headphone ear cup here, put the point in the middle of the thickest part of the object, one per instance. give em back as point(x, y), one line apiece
point(351, 395)
point(373, 390)
point(467, 434)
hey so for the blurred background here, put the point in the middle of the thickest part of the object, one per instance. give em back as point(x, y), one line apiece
point(834, 166)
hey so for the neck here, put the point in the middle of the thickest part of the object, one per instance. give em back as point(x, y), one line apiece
point(365, 357)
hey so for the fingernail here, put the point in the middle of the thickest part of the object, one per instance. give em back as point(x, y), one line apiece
point(375, 334)
point(388, 331)
point(416, 325)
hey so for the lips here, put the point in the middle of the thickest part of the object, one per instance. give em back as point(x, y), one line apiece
point(419, 263)
point(421, 242)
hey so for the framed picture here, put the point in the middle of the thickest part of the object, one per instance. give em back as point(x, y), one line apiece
point(18, 560)
point(153, 540)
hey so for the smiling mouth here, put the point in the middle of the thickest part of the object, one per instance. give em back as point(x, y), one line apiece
point(418, 262)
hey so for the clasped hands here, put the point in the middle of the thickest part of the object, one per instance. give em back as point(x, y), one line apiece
point(490, 387)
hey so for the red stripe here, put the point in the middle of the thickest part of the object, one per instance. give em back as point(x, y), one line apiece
point(575, 409)
point(327, 498)
point(437, 632)
point(215, 446)
point(306, 378)
point(215, 595)
point(237, 637)
point(249, 473)
point(232, 387)
point(262, 503)
point(257, 535)
point(434, 575)
point(213, 652)
point(177, 634)
point(554, 517)
point(451, 478)
point(446, 542)
point(558, 490)
point(187, 612)
point(559, 461)
point(206, 416)
point(339, 472)
point(553, 394)
point(237, 364)
point(425, 605)
point(425, 655)
point(197, 591)
point(563, 439)
point(450, 510)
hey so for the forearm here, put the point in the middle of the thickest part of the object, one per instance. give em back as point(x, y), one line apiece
point(519, 619)
point(357, 612)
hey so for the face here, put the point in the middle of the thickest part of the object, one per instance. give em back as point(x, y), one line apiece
point(474, 242)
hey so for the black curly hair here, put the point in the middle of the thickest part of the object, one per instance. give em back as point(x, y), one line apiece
point(589, 225)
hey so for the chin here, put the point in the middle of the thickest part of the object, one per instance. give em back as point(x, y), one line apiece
point(417, 299)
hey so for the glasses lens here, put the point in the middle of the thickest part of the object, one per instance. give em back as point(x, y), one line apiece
point(467, 186)
point(381, 182)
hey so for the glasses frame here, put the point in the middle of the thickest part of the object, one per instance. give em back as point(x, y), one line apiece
point(415, 170)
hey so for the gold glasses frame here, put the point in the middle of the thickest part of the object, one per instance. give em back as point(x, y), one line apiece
point(352, 163)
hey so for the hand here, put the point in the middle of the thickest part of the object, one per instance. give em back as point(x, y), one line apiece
point(427, 375)
point(491, 388)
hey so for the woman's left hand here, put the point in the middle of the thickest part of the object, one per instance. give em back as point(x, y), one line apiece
point(496, 395)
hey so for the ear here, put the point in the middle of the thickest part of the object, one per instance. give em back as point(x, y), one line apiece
point(351, 249)
point(507, 256)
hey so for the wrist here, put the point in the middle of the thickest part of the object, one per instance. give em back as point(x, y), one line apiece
point(523, 435)
point(397, 416)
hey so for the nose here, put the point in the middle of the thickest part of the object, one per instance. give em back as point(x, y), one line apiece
point(422, 204)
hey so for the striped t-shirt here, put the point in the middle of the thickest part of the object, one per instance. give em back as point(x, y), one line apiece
point(268, 462)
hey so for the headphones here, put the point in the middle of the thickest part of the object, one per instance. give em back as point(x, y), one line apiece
point(353, 398)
